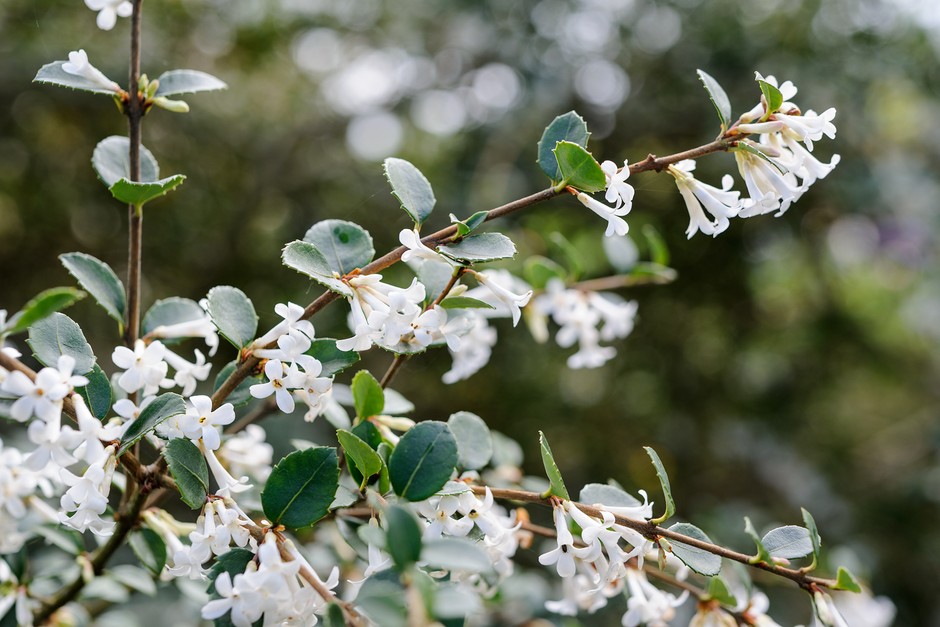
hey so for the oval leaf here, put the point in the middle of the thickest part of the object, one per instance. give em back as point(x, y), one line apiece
point(810, 523)
point(331, 358)
point(112, 161)
point(301, 487)
point(189, 470)
point(551, 469)
point(233, 314)
point(53, 74)
point(464, 302)
point(455, 554)
point(423, 460)
point(480, 247)
point(366, 460)
point(474, 442)
point(97, 393)
point(578, 168)
point(59, 335)
point(402, 536)
point(169, 311)
point(42, 306)
point(699, 560)
point(307, 259)
point(345, 245)
point(788, 542)
point(138, 194)
point(718, 97)
point(763, 555)
point(411, 188)
point(149, 548)
point(161, 408)
point(100, 280)
point(772, 95)
point(603, 494)
point(568, 127)
point(664, 482)
point(187, 82)
point(368, 397)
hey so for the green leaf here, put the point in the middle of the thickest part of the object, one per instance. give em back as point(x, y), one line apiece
point(455, 554)
point(233, 314)
point(748, 147)
point(240, 395)
point(664, 482)
point(579, 168)
point(403, 536)
point(61, 537)
point(538, 271)
point(133, 577)
point(366, 460)
point(345, 245)
point(382, 599)
point(331, 358)
point(772, 95)
point(334, 616)
point(474, 442)
point(385, 480)
point(699, 560)
point(161, 408)
point(368, 433)
point(149, 548)
point(111, 161)
point(100, 281)
point(138, 194)
point(464, 302)
point(718, 97)
point(170, 311)
point(479, 248)
point(53, 74)
point(187, 82)
point(59, 335)
point(301, 487)
point(569, 127)
point(659, 252)
point(551, 470)
point(814, 538)
point(368, 396)
point(788, 542)
point(572, 256)
point(423, 460)
point(307, 259)
point(469, 225)
point(188, 467)
point(718, 590)
point(42, 306)
point(453, 603)
point(411, 188)
point(846, 581)
point(97, 393)
point(763, 555)
point(603, 494)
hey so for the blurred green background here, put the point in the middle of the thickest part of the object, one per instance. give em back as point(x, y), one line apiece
point(794, 361)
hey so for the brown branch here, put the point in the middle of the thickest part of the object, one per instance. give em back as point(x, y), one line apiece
point(393, 369)
point(621, 281)
point(134, 112)
point(658, 164)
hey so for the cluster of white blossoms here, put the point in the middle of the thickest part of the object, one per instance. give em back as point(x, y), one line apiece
point(109, 11)
point(289, 371)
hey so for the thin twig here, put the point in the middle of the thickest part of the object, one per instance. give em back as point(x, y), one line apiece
point(393, 369)
point(135, 215)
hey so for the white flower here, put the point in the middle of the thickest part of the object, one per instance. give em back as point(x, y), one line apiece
point(280, 382)
point(494, 282)
point(476, 346)
point(562, 555)
point(201, 422)
point(292, 324)
point(722, 203)
point(246, 453)
point(439, 512)
point(381, 313)
point(226, 482)
point(411, 240)
point(87, 497)
point(188, 374)
point(769, 189)
point(78, 65)
point(43, 397)
point(238, 596)
point(619, 192)
point(615, 224)
point(144, 366)
point(315, 390)
point(200, 327)
point(109, 11)
point(647, 604)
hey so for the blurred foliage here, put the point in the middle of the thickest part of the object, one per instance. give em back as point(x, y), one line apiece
point(794, 362)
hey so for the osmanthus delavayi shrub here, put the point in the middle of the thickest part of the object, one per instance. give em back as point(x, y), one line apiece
point(421, 520)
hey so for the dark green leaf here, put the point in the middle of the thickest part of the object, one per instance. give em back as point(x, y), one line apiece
point(464, 302)
point(149, 548)
point(368, 397)
point(403, 536)
point(551, 470)
point(480, 247)
point(788, 542)
point(568, 127)
point(240, 395)
point(810, 523)
point(664, 482)
point(359, 453)
point(331, 358)
point(59, 335)
point(161, 408)
point(100, 280)
point(718, 590)
point(111, 161)
point(187, 82)
point(305, 258)
point(301, 487)
point(846, 581)
point(474, 443)
point(411, 188)
point(423, 460)
point(138, 194)
point(368, 433)
point(345, 245)
point(772, 95)
point(763, 555)
point(718, 97)
point(233, 314)
point(170, 311)
point(53, 74)
point(538, 271)
point(385, 481)
point(699, 560)
point(97, 393)
point(189, 470)
point(579, 169)
point(42, 306)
